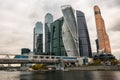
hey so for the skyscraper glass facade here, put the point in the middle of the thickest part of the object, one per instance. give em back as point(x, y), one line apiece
point(69, 31)
point(46, 36)
point(37, 39)
point(75, 33)
point(97, 45)
point(39, 44)
point(57, 47)
point(67, 35)
point(83, 36)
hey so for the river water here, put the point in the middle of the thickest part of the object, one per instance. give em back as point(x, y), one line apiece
point(68, 75)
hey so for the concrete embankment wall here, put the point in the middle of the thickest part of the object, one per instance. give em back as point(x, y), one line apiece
point(113, 68)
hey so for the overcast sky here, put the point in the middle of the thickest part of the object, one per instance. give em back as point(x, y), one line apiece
point(18, 18)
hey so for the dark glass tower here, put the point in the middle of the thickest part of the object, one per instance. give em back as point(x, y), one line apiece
point(39, 44)
point(57, 47)
point(97, 45)
point(83, 35)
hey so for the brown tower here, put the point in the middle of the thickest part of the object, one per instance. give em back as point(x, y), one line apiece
point(103, 39)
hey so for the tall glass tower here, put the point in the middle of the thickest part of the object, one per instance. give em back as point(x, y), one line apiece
point(75, 33)
point(57, 47)
point(46, 36)
point(38, 38)
point(83, 35)
point(69, 31)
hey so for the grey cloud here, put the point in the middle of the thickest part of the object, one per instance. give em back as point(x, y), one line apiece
point(116, 26)
point(34, 15)
point(106, 3)
point(114, 39)
point(116, 3)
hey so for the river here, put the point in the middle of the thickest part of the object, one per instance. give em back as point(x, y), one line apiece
point(68, 75)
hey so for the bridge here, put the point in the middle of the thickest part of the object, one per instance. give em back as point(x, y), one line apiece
point(8, 54)
point(29, 59)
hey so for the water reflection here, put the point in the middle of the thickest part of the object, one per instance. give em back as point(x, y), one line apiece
point(41, 76)
point(77, 75)
point(71, 75)
point(108, 75)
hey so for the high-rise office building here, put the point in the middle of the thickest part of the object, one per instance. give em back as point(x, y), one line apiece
point(57, 47)
point(75, 33)
point(103, 39)
point(38, 38)
point(46, 36)
point(25, 51)
point(83, 36)
point(39, 44)
point(69, 31)
point(97, 45)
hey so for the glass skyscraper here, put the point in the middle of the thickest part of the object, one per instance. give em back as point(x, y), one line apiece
point(46, 36)
point(57, 47)
point(83, 36)
point(75, 33)
point(66, 36)
point(69, 31)
point(38, 38)
point(97, 45)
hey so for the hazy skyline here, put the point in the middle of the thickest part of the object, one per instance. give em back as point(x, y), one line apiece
point(18, 18)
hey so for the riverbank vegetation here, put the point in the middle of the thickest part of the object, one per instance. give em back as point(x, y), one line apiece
point(38, 66)
point(107, 62)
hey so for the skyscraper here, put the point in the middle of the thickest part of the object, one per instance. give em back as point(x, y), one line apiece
point(97, 45)
point(69, 31)
point(75, 33)
point(37, 38)
point(39, 44)
point(103, 39)
point(46, 36)
point(83, 35)
point(57, 47)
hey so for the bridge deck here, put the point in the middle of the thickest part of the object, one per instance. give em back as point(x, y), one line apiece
point(26, 61)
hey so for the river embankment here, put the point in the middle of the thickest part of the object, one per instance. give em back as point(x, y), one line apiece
point(96, 68)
